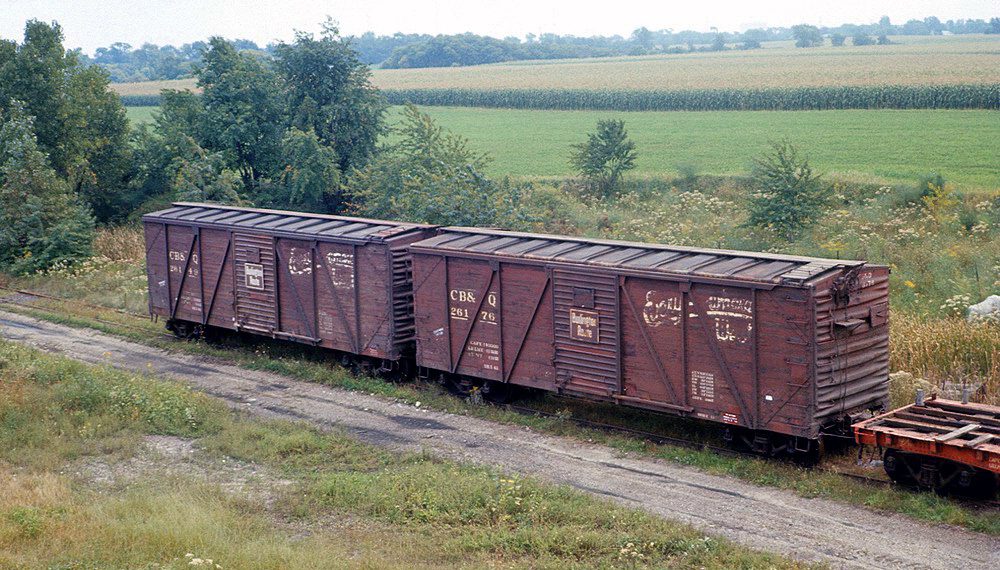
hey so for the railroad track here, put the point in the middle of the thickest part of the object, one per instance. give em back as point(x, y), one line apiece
point(660, 439)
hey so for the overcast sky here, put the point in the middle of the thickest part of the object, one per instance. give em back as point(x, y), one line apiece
point(93, 23)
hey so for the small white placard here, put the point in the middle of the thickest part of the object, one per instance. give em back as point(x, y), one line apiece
point(254, 275)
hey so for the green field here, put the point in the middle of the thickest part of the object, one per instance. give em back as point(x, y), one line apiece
point(894, 146)
point(138, 115)
point(898, 146)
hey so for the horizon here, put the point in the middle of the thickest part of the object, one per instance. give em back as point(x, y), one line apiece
point(90, 24)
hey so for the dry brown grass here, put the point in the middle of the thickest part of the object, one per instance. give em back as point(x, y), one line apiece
point(946, 353)
point(123, 243)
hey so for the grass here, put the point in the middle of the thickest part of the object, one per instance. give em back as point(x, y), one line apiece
point(140, 115)
point(344, 501)
point(897, 146)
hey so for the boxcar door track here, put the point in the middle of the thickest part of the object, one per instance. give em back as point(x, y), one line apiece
point(841, 535)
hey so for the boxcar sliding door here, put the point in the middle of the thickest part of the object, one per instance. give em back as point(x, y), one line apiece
point(255, 283)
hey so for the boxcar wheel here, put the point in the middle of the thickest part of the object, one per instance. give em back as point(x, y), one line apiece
point(498, 392)
point(185, 330)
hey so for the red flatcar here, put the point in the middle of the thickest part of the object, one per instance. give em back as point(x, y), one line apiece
point(779, 347)
point(942, 444)
point(331, 281)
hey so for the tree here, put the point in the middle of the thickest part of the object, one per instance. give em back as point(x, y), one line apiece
point(42, 222)
point(807, 36)
point(431, 175)
point(79, 123)
point(753, 38)
point(329, 92)
point(719, 43)
point(837, 40)
point(310, 180)
point(197, 175)
point(245, 115)
point(789, 196)
point(605, 157)
point(862, 40)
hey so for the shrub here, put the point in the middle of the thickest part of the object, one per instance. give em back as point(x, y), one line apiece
point(432, 176)
point(789, 195)
point(605, 157)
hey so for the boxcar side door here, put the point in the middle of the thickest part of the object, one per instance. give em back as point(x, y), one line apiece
point(255, 283)
point(586, 332)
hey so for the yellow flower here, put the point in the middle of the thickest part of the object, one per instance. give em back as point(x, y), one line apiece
point(909, 284)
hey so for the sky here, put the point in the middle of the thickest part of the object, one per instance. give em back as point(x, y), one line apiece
point(89, 24)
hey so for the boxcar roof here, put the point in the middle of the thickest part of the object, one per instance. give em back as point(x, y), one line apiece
point(312, 226)
point(667, 259)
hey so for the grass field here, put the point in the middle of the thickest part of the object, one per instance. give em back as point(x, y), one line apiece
point(898, 146)
point(895, 146)
point(139, 115)
point(914, 61)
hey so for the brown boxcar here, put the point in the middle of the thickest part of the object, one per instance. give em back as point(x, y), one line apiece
point(336, 282)
point(772, 343)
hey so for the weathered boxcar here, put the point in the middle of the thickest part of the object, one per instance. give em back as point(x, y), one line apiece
point(331, 281)
point(775, 344)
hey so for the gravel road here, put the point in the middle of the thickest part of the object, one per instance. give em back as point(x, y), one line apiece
point(769, 519)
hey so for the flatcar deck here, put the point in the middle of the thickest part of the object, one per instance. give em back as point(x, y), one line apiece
point(938, 443)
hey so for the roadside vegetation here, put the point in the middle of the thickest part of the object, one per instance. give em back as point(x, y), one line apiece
point(89, 461)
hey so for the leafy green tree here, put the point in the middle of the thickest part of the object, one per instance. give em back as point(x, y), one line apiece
point(837, 39)
point(201, 176)
point(430, 175)
point(789, 197)
point(807, 36)
point(42, 222)
point(310, 180)
point(246, 114)
point(329, 92)
point(79, 123)
point(605, 156)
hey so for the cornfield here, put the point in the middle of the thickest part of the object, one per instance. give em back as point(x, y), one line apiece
point(792, 99)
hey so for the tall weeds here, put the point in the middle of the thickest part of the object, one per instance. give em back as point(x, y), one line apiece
point(948, 351)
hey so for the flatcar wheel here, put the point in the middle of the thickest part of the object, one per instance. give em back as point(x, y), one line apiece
point(971, 482)
point(896, 467)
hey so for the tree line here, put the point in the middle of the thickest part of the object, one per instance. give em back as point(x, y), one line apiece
point(151, 62)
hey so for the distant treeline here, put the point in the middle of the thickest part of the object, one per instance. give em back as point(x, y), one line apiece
point(151, 62)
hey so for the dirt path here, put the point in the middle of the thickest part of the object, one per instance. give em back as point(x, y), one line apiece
point(760, 517)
